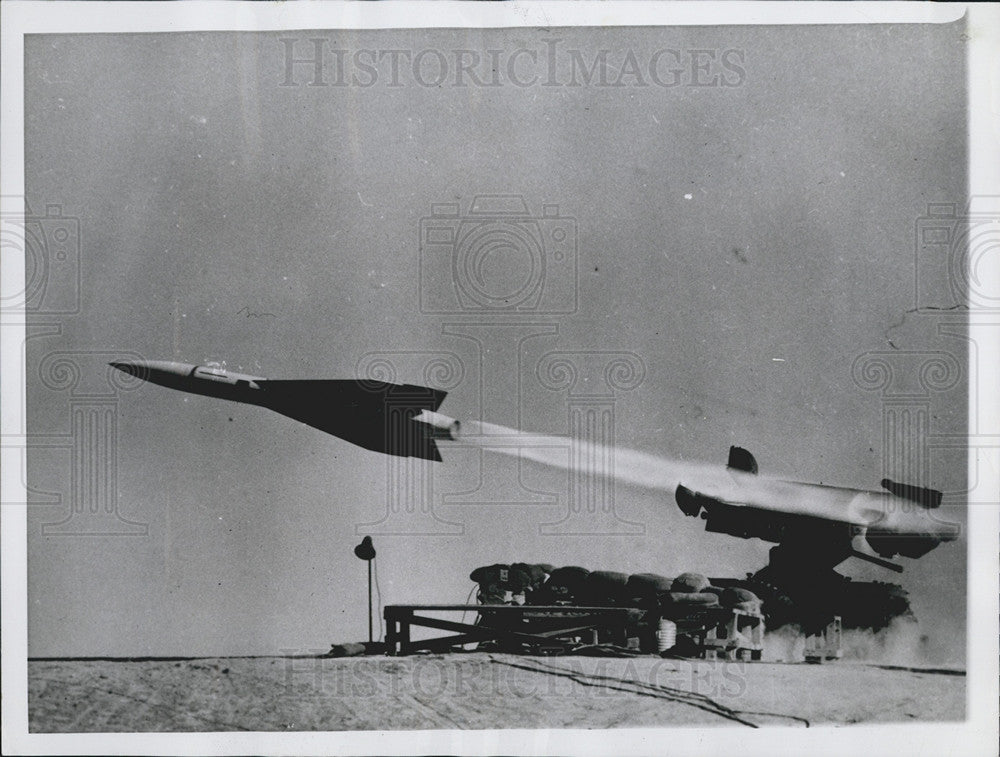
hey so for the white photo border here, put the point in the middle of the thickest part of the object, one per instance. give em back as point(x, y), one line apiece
point(977, 735)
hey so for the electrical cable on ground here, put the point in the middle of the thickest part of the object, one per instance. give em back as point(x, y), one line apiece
point(467, 598)
point(640, 688)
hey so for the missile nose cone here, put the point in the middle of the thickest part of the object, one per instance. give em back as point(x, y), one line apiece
point(156, 371)
point(132, 368)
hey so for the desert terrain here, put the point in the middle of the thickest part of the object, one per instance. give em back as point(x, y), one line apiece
point(474, 690)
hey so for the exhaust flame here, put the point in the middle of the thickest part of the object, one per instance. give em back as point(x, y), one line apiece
point(439, 426)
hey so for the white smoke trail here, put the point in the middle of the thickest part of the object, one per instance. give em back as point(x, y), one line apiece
point(591, 462)
point(590, 459)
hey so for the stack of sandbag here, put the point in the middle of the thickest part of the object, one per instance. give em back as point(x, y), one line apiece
point(687, 594)
point(500, 583)
point(645, 589)
point(690, 583)
point(565, 586)
point(541, 584)
point(692, 591)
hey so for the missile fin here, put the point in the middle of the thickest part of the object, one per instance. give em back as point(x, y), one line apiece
point(741, 459)
point(929, 498)
point(375, 415)
point(432, 452)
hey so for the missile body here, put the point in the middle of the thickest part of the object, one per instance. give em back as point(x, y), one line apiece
point(395, 419)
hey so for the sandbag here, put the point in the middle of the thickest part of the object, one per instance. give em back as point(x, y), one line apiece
point(676, 605)
point(569, 577)
point(642, 601)
point(690, 598)
point(536, 575)
point(689, 582)
point(487, 573)
point(644, 584)
point(491, 594)
point(716, 590)
point(351, 649)
point(608, 578)
point(546, 595)
point(606, 587)
point(735, 595)
point(504, 577)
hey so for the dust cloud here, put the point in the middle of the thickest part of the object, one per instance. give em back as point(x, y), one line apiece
point(904, 643)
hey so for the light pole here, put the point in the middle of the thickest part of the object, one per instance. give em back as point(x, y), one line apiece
point(366, 551)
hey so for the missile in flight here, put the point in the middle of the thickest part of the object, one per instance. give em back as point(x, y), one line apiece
point(396, 419)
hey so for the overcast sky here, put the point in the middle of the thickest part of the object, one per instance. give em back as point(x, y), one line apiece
point(744, 243)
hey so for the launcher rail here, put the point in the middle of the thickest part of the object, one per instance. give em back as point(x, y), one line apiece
point(544, 627)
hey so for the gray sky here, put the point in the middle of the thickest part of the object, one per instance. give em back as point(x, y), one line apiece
point(746, 242)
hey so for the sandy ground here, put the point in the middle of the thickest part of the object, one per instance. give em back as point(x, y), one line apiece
point(474, 690)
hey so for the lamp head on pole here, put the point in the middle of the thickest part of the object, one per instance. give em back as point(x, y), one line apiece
point(365, 550)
